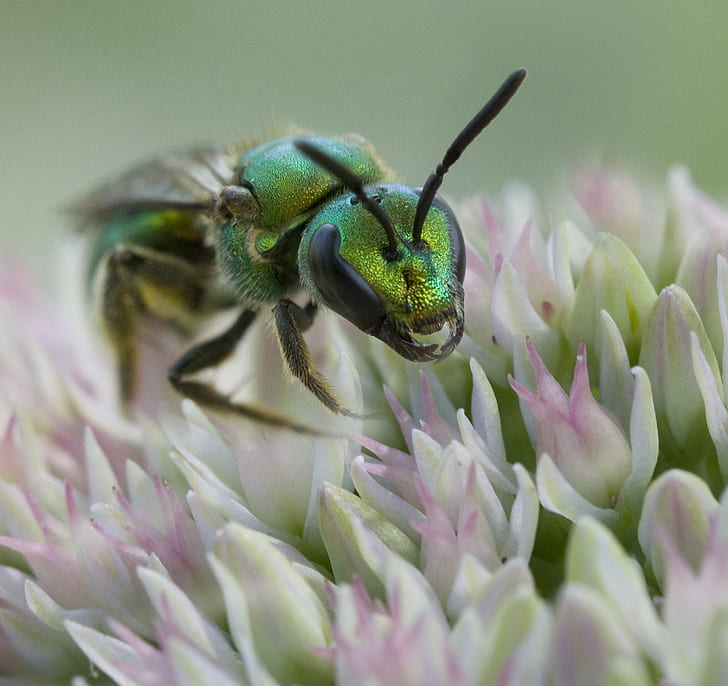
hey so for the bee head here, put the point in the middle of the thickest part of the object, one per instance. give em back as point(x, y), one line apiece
point(390, 258)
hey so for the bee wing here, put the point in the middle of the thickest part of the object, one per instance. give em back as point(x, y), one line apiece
point(186, 181)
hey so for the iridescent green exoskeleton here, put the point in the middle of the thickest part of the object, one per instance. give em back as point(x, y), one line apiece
point(253, 226)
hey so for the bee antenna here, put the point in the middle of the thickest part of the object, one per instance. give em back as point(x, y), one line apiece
point(487, 114)
point(353, 183)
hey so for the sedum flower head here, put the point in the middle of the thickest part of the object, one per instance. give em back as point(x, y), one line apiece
point(546, 506)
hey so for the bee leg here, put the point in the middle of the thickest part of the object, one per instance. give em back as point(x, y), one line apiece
point(303, 316)
point(290, 320)
point(210, 353)
point(137, 280)
point(120, 309)
point(205, 355)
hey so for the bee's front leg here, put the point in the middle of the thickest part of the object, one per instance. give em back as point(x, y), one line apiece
point(290, 319)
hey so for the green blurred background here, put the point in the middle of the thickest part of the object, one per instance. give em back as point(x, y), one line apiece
point(89, 87)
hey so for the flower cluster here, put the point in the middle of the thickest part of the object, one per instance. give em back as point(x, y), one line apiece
point(546, 506)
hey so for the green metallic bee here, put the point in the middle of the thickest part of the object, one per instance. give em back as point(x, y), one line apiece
point(214, 228)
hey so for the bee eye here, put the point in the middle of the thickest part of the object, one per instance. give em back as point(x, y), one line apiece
point(457, 242)
point(458, 249)
point(345, 291)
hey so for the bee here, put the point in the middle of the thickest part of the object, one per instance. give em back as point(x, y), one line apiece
point(322, 216)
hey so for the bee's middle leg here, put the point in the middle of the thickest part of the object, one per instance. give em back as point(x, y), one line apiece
point(209, 354)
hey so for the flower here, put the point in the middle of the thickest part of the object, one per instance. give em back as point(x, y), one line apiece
point(480, 524)
point(585, 444)
point(677, 512)
point(696, 605)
